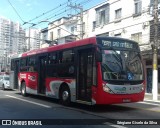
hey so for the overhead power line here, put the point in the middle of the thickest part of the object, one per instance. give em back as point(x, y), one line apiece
point(47, 12)
point(57, 13)
point(15, 11)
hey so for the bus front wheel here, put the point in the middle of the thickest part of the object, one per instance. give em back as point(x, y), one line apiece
point(65, 96)
point(23, 89)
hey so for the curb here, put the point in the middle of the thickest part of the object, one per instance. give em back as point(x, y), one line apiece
point(155, 101)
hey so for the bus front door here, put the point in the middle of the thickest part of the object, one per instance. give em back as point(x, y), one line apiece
point(84, 75)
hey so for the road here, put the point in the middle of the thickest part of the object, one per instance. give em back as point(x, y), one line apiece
point(13, 106)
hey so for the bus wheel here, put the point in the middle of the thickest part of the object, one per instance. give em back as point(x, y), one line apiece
point(3, 88)
point(65, 96)
point(23, 89)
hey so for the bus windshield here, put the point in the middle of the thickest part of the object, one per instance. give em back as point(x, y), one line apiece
point(121, 65)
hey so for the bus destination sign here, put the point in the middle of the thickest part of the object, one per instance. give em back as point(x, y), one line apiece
point(118, 44)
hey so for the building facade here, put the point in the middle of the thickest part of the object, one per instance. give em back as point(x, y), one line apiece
point(132, 19)
point(44, 38)
point(33, 38)
point(12, 41)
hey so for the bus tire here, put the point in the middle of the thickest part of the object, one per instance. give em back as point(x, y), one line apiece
point(65, 97)
point(23, 89)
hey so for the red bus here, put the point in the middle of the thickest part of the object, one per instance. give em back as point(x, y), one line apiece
point(96, 70)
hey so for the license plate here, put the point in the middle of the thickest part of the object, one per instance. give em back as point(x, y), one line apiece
point(126, 100)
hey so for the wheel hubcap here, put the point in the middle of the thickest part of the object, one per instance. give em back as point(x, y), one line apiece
point(65, 95)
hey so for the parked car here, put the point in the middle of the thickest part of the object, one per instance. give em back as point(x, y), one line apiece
point(4, 82)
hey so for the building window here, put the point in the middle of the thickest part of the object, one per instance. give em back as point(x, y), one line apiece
point(102, 15)
point(84, 27)
point(118, 13)
point(51, 35)
point(137, 37)
point(137, 6)
point(94, 25)
point(59, 33)
point(118, 35)
point(72, 29)
point(103, 34)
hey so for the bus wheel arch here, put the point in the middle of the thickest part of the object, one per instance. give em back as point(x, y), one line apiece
point(64, 94)
point(23, 88)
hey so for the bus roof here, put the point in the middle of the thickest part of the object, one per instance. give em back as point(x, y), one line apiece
point(87, 41)
point(91, 40)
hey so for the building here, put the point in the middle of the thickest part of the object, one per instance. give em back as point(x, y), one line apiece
point(63, 30)
point(33, 38)
point(44, 38)
point(12, 39)
point(132, 19)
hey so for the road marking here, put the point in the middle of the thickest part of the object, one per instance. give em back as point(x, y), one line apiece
point(46, 106)
point(114, 125)
point(118, 126)
point(151, 100)
point(149, 103)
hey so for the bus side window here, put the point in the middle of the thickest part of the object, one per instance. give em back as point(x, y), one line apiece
point(23, 64)
point(67, 56)
point(32, 63)
point(52, 58)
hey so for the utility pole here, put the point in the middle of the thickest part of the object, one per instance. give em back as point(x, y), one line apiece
point(29, 39)
point(81, 18)
point(82, 25)
point(155, 54)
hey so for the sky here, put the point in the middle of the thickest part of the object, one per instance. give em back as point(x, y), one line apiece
point(34, 11)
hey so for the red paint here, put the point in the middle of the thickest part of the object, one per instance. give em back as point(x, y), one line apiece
point(49, 80)
point(83, 42)
point(98, 93)
point(31, 79)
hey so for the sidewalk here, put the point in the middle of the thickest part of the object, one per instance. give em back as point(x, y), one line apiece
point(149, 97)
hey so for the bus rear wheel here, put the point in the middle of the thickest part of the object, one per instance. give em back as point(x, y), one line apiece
point(65, 96)
point(23, 89)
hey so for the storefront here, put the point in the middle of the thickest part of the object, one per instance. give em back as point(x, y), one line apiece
point(148, 58)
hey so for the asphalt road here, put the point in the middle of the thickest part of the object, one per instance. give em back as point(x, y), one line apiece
point(48, 112)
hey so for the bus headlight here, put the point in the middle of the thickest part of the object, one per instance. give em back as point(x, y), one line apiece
point(142, 88)
point(106, 89)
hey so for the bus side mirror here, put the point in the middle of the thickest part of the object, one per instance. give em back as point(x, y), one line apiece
point(98, 56)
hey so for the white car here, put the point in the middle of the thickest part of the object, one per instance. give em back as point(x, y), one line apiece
point(4, 82)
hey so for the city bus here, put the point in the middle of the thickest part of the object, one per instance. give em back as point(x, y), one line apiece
point(95, 70)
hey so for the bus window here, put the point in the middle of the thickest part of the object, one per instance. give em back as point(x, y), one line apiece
point(52, 58)
point(23, 64)
point(32, 63)
point(67, 56)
